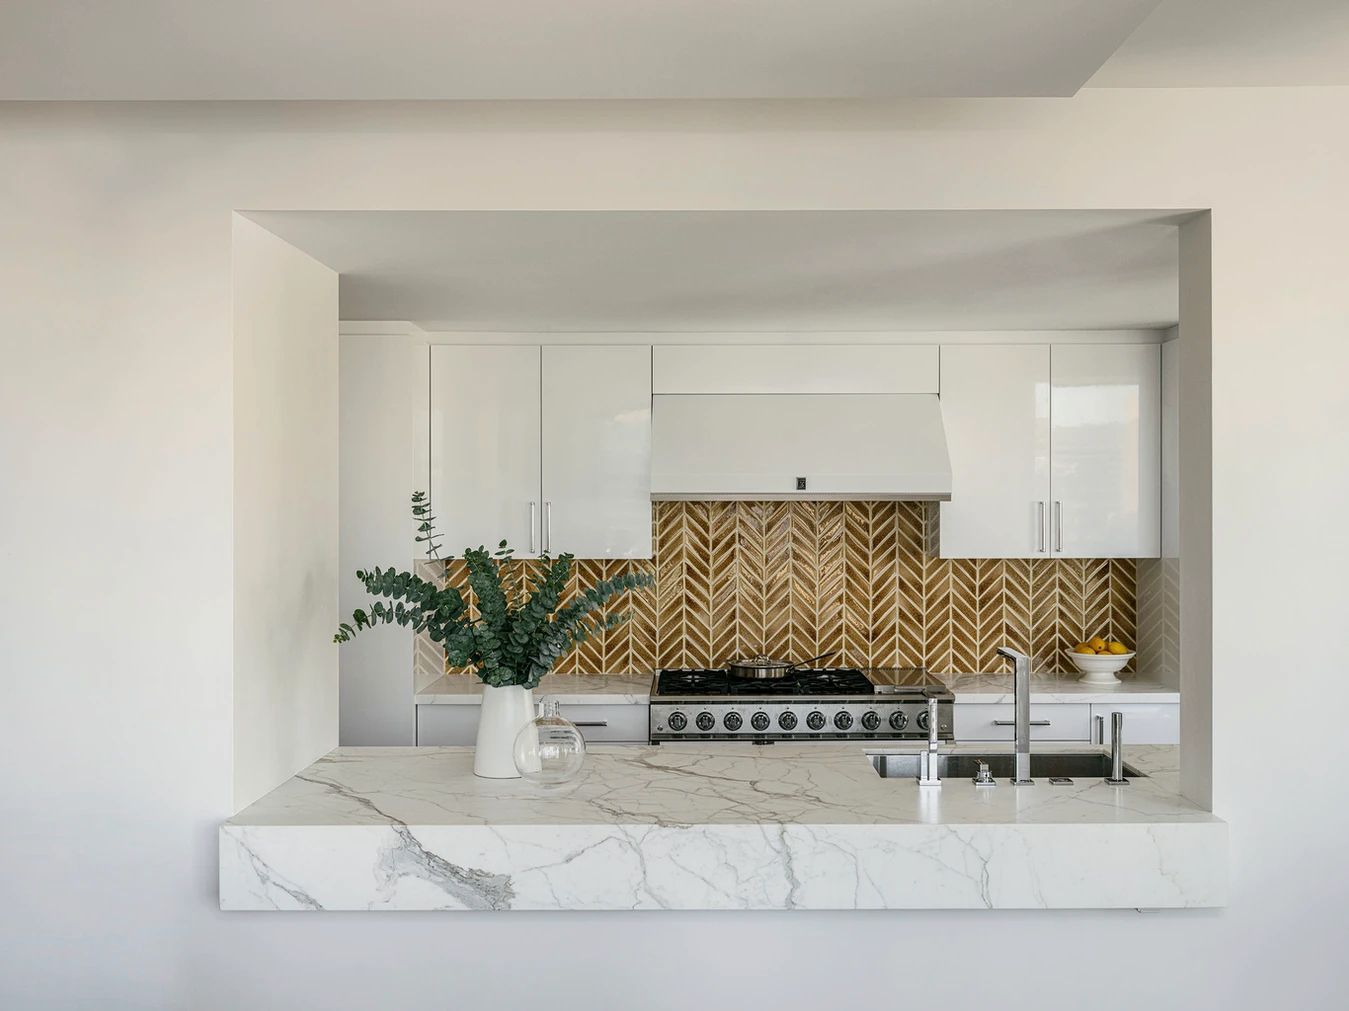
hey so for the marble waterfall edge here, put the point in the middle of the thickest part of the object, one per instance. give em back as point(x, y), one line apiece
point(725, 828)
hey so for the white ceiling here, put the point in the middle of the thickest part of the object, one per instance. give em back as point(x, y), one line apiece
point(1232, 43)
point(748, 271)
point(455, 49)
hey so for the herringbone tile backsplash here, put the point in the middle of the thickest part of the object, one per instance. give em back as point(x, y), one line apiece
point(794, 579)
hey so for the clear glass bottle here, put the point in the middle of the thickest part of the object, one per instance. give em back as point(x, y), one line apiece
point(549, 749)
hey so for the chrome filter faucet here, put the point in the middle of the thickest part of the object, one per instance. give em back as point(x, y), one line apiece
point(1021, 705)
point(1116, 777)
point(927, 763)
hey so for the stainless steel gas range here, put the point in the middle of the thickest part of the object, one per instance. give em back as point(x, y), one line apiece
point(819, 704)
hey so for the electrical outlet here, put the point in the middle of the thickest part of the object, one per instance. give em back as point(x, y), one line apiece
point(800, 484)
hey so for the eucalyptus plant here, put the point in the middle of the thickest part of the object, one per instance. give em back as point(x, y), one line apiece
point(510, 641)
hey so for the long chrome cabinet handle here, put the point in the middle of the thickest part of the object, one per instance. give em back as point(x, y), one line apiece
point(1040, 525)
point(1100, 729)
point(533, 517)
point(1058, 526)
point(1012, 723)
point(590, 723)
point(547, 526)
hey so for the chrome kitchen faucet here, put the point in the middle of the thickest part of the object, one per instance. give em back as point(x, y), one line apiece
point(928, 774)
point(1021, 705)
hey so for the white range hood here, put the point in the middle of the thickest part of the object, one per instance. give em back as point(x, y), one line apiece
point(799, 446)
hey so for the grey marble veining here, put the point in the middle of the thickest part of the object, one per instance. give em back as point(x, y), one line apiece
point(711, 827)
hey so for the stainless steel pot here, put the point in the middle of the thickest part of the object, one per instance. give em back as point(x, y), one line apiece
point(764, 667)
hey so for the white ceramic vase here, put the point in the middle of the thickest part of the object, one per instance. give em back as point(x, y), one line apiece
point(503, 712)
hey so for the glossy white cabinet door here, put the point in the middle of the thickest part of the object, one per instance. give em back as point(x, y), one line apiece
point(1105, 411)
point(485, 446)
point(597, 451)
point(995, 405)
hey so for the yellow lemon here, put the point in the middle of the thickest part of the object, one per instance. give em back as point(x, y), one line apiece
point(1116, 647)
point(1096, 643)
point(1084, 648)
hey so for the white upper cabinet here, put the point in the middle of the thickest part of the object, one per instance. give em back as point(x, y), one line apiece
point(1055, 451)
point(995, 404)
point(549, 448)
point(795, 368)
point(1106, 412)
point(597, 451)
point(485, 454)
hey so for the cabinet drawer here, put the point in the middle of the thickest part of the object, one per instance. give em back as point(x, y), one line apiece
point(992, 722)
point(442, 726)
point(1144, 723)
point(616, 724)
point(446, 726)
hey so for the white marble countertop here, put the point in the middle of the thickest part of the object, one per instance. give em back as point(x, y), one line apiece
point(1058, 688)
point(723, 826)
point(568, 689)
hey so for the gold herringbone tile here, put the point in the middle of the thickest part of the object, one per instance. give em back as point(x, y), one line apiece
point(722, 573)
point(800, 578)
point(829, 609)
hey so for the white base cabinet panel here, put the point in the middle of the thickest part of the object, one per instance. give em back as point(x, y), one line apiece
point(1144, 723)
point(1054, 721)
point(458, 725)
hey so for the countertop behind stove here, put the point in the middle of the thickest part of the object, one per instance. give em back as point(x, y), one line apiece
point(627, 689)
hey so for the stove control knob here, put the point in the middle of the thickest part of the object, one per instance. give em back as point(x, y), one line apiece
point(705, 722)
point(787, 721)
point(677, 721)
point(759, 721)
point(843, 721)
point(898, 721)
point(922, 721)
point(815, 720)
point(870, 721)
point(732, 721)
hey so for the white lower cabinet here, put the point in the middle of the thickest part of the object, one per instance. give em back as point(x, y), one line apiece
point(446, 725)
point(1050, 721)
point(1144, 723)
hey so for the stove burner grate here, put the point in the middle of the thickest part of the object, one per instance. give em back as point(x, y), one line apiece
point(820, 681)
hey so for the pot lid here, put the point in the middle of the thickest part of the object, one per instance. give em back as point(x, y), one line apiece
point(759, 660)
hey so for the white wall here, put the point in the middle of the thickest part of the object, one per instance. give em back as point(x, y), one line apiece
point(116, 399)
point(285, 510)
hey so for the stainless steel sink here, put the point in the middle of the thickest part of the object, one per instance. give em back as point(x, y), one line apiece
point(1062, 765)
